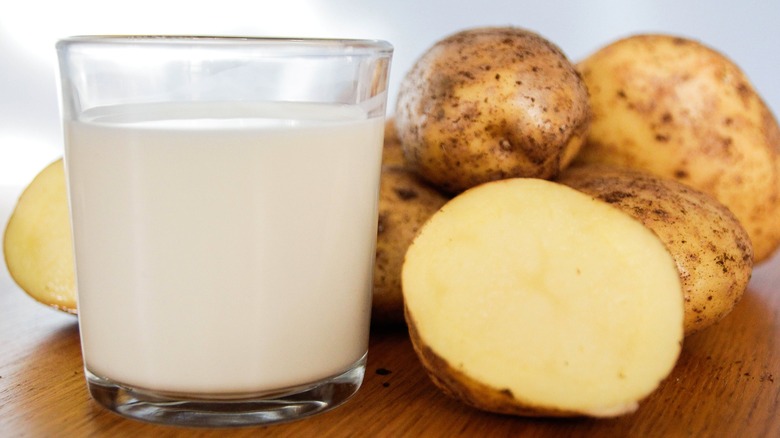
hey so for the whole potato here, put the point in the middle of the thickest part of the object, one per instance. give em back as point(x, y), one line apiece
point(392, 151)
point(677, 108)
point(491, 103)
point(405, 203)
point(712, 250)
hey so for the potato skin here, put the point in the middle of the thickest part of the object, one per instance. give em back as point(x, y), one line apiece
point(712, 250)
point(679, 109)
point(491, 103)
point(392, 150)
point(405, 204)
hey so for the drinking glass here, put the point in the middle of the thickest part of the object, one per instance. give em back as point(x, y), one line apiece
point(223, 198)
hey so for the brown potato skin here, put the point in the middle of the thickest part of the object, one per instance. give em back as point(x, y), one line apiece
point(392, 151)
point(679, 109)
point(463, 388)
point(712, 250)
point(405, 204)
point(491, 103)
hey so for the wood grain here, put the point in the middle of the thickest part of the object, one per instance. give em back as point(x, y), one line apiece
point(726, 384)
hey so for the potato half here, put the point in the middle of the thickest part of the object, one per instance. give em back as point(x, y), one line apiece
point(491, 103)
point(679, 109)
point(38, 245)
point(712, 250)
point(527, 297)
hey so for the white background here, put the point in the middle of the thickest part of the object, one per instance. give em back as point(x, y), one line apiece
point(746, 31)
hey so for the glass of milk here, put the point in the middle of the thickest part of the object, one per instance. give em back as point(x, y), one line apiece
point(223, 196)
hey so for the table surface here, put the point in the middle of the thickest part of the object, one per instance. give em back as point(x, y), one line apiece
point(726, 383)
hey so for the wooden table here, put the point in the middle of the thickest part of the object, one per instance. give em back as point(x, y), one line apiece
point(726, 384)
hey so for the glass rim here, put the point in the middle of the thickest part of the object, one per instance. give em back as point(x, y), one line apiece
point(162, 40)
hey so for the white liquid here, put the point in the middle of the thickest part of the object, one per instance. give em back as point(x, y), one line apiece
point(223, 254)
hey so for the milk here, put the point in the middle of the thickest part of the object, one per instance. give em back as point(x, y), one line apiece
point(223, 249)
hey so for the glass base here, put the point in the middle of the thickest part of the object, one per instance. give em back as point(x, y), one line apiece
point(246, 410)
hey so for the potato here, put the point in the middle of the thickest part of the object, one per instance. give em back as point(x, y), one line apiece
point(491, 103)
point(712, 250)
point(392, 151)
point(676, 108)
point(405, 203)
point(527, 297)
point(38, 244)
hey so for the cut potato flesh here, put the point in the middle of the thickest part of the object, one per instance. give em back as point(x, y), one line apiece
point(38, 244)
point(526, 297)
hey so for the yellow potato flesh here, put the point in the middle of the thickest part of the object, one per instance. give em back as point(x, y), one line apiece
point(541, 292)
point(38, 243)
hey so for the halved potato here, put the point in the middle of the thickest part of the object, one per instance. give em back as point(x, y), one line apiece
point(38, 243)
point(526, 297)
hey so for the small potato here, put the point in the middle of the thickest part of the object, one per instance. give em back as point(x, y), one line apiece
point(491, 103)
point(527, 297)
point(712, 250)
point(405, 203)
point(679, 109)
